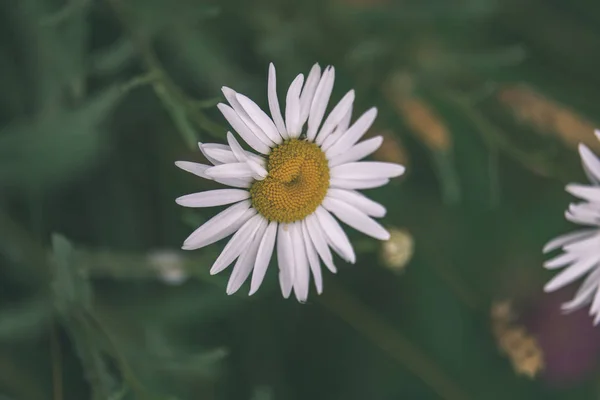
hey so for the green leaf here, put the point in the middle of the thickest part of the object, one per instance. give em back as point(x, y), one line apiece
point(113, 58)
point(25, 320)
point(46, 151)
point(71, 287)
point(262, 393)
point(73, 298)
point(200, 364)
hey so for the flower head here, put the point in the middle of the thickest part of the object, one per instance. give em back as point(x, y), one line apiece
point(285, 195)
point(581, 249)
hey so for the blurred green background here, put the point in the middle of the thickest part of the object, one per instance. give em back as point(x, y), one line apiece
point(484, 101)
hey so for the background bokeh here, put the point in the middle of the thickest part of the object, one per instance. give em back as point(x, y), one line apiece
point(484, 101)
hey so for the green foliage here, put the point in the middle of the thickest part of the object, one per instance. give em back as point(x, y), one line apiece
point(98, 100)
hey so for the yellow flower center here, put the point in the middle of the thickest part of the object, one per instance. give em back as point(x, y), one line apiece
point(296, 184)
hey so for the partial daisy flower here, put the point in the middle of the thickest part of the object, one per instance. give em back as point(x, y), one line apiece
point(285, 192)
point(580, 249)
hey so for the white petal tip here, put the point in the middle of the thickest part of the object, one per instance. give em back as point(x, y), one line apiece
point(571, 188)
point(582, 147)
point(550, 287)
point(399, 171)
point(547, 248)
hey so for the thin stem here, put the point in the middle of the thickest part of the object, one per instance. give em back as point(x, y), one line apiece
point(178, 104)
point(366, 322)
point(138, 81)
point(493, 136)
point(57, 375)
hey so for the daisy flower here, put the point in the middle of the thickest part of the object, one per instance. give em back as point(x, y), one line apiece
point(286, 192)
point(581, 249)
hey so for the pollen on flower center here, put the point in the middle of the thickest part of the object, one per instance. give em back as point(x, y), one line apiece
point(296, 184)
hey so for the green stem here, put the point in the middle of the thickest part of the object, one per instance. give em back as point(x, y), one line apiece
point(493, 136)
point(178, 104)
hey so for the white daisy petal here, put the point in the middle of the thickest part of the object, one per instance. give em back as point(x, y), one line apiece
point(308, 92)
point(240, 127)
point(214, 225)
point(335, 235)
point(274, 103)
point(357, 152)
point(595, 308)
point(245, 262)
point(236, 149)
point(345, 122)
point(238, 242)
point(261, 119)
point(209, 156)
point(367, 170)
point(301, 275)
point(579, 218)
point(335, 116)
point(583, 213)
point(331, 139)
point(589, 211)
point(571, 273)
point(232, 97)
point(212, 198)
point(338, 132)
point(319, 241)
point(320, 101)
point(579, 301)
point(292, 107)
point(222, 154)
point(233, 170)
point(285, 259)
point(263, 256)
point(589, 193)
point(585, 292)
point(259, 173)
point(194, 168)
point(591, 164)
point(218, 232)
point(583, 246)
point(357, 183)
point(353, 134)
point(561, 260)
point(243, 183)
point(566, 239)
point(313, 258)
point(355, 218)
point(217, 153)
point(242, 268)
point(358, 200)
